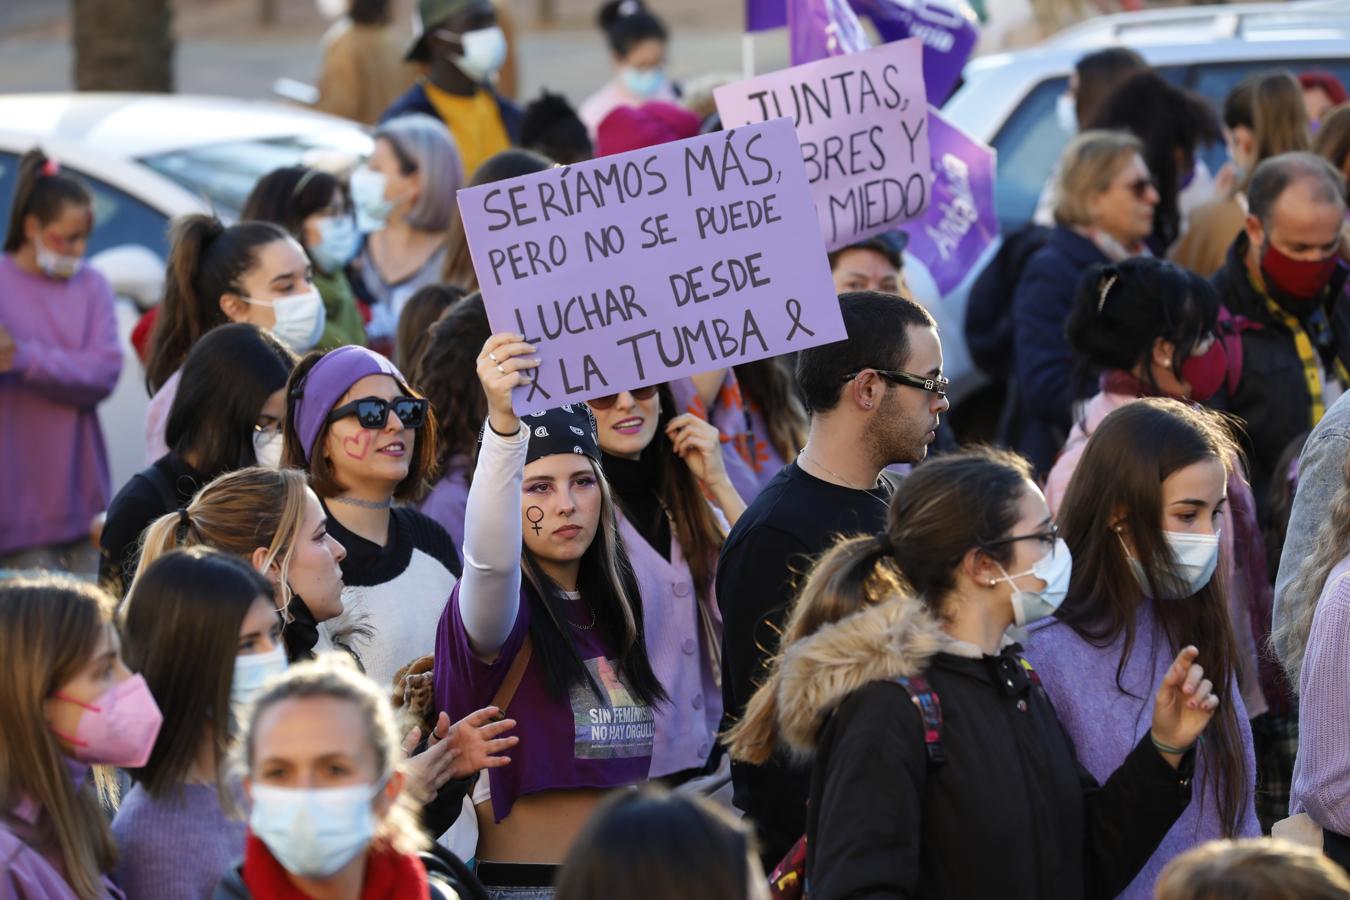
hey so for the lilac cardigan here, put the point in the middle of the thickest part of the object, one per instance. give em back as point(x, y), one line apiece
point(1105, 724)
point(1321, 786)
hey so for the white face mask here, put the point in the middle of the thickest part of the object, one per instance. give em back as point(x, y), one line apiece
point(338, 242)
point(313, 832)
point(300, 318)
point(251, 672)
point(1066, 114)
point(1194, 559)
point(267, 446)
point(484, 52)
point(372, 209)
point(1055, 569)
point(56, 265)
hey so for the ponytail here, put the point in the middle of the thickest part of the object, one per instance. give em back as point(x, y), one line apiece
point(41, 189)
point(207, 261)
point(855, 573)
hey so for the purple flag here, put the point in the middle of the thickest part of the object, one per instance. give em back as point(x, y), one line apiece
point(960, 222)
point(947, 28)
point(764, 15)
point(821, 28)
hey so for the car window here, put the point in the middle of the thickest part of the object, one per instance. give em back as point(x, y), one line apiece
point(224, 174)
point(1029, 144)
point(118, 217)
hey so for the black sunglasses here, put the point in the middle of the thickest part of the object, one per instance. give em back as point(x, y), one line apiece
point(373, 412)
point(936, 385)
point(608, 400)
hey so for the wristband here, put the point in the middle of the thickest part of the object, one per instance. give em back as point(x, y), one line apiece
point(1167, 748)
point(500, 434)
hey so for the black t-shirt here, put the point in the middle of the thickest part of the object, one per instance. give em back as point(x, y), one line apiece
point(637, 484)
point(368, 564)
point(164, 487)
point(771, 548)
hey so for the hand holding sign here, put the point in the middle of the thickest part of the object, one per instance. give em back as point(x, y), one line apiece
point(501, 368)
point(644, 267)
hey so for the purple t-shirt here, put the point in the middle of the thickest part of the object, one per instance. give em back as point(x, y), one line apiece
point(586, 741)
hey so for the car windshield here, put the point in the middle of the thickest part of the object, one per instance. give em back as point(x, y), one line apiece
point(223, 174)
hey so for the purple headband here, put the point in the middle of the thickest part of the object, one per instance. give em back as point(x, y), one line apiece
point(324, 385)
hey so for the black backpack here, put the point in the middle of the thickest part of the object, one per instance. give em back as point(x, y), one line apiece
point(989, 327)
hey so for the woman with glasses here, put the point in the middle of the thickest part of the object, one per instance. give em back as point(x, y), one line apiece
point(939, 767)
point(367, 440)
point(226, 415)
point(1142, 516)
point(664, 466)
point(1104, 204)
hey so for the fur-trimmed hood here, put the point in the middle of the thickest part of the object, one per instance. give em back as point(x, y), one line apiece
point(892, 639)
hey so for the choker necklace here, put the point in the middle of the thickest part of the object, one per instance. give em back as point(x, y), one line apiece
point(364, 504)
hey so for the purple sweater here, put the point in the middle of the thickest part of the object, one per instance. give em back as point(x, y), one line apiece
point(1321, 785)
point(1105, 724)
point(55, 476)
point(446, 502)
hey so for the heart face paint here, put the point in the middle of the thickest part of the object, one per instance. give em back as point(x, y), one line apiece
point(357, 446)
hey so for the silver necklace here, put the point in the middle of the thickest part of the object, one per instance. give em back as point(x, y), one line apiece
point(801, 454)
point(574, 596)
point(364, 504)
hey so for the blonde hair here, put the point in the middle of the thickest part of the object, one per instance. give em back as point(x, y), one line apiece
point(238, 512)
point(1086, 169)
point(1252, 869)
point(1279, 118)
point(49, 628)
point(1290, 639)
point(334, 676)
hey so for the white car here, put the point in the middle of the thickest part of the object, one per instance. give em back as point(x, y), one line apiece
point(149, 158)
point(1008, 100)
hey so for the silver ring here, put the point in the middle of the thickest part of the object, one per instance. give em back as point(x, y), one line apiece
point(492, 356)
point(500, 369)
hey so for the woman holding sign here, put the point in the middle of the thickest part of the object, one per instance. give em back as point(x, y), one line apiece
point(546, 624)
point(663, 467)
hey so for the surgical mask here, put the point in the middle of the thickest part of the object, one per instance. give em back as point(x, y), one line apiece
point(117, 729)
point(267, 446)
point(338, 242)
point(484, 52)
point(643, 83)
point(300, 318)
point(1296, 282)
point(1055, 569)
point(313, 832)
point(251, 672)
point(56, 265)
point(1194, 559)
point(372, 209)
point(1066, 113)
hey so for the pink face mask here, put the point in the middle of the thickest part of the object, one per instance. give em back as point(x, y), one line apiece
point(118, 729)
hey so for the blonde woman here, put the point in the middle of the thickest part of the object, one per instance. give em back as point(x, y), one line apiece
point(70, 704)
point(272, 519)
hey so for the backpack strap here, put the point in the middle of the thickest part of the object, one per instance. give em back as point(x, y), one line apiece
point(930, 710)
point(507, 692)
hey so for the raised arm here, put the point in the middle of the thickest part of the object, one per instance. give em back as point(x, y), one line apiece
point(489, 594)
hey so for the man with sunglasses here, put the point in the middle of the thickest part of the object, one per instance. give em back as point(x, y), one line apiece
point(875, 400)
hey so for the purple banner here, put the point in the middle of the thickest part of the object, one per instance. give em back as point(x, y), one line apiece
point(960, 223)
point(821, 28)
point(764, 15)
point(648, 266)
point(861, 122)
point(948, 29)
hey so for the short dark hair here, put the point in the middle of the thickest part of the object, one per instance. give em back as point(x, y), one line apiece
point(290, 195)
point(1274, 176)
point(627, 23)
point(226, 379)
point(369, 12)
point(445, 373)
point(551, 127)
point(421, 311)
point(878, 336)
point(890, 245)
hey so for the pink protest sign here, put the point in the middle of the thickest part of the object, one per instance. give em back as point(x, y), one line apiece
point(648, 266)
point(862, 120)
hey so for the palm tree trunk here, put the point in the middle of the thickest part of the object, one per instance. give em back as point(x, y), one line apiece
point(123, 45)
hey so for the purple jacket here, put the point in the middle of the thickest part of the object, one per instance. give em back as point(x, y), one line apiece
point(1106, 723)
point(55, 477)
point(447, 500)
point(26, 873)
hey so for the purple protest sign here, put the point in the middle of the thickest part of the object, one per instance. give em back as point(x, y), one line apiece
point(648, 266)
point(862, 122)
point(763, 15)
point(947, 28)
point(960, 223)
point(821, 28)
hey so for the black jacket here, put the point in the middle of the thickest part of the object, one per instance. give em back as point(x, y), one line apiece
point(162, 488)
point(1009, 813)
point(1272, 396)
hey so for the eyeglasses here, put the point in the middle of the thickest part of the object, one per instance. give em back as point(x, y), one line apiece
point(937, 385)
point(373, 412)
point(1049, 536)
point(1141, 186)
point(605, 402)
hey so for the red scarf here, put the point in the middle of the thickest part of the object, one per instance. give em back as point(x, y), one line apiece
point(389, 876)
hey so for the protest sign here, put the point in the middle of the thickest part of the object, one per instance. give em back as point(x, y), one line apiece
point(648, 266)
point(863, 125)
point(960, 223)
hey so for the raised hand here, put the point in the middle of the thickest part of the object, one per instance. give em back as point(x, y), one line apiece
point(501, 367)
point(699, 444)
point(476, 741)
point(1183, 706)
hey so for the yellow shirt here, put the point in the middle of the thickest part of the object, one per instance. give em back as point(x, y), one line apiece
point(475, 122)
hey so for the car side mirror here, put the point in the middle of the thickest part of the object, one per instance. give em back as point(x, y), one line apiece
point(134, 271)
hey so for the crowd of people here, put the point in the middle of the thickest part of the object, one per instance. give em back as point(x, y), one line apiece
point(359, 629)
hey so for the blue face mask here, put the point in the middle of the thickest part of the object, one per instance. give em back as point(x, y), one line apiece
point(338, 242)
point(314, 832)
point(643, 83)
point(252, 670)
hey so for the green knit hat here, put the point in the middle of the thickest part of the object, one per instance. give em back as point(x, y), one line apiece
point(430, 14)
